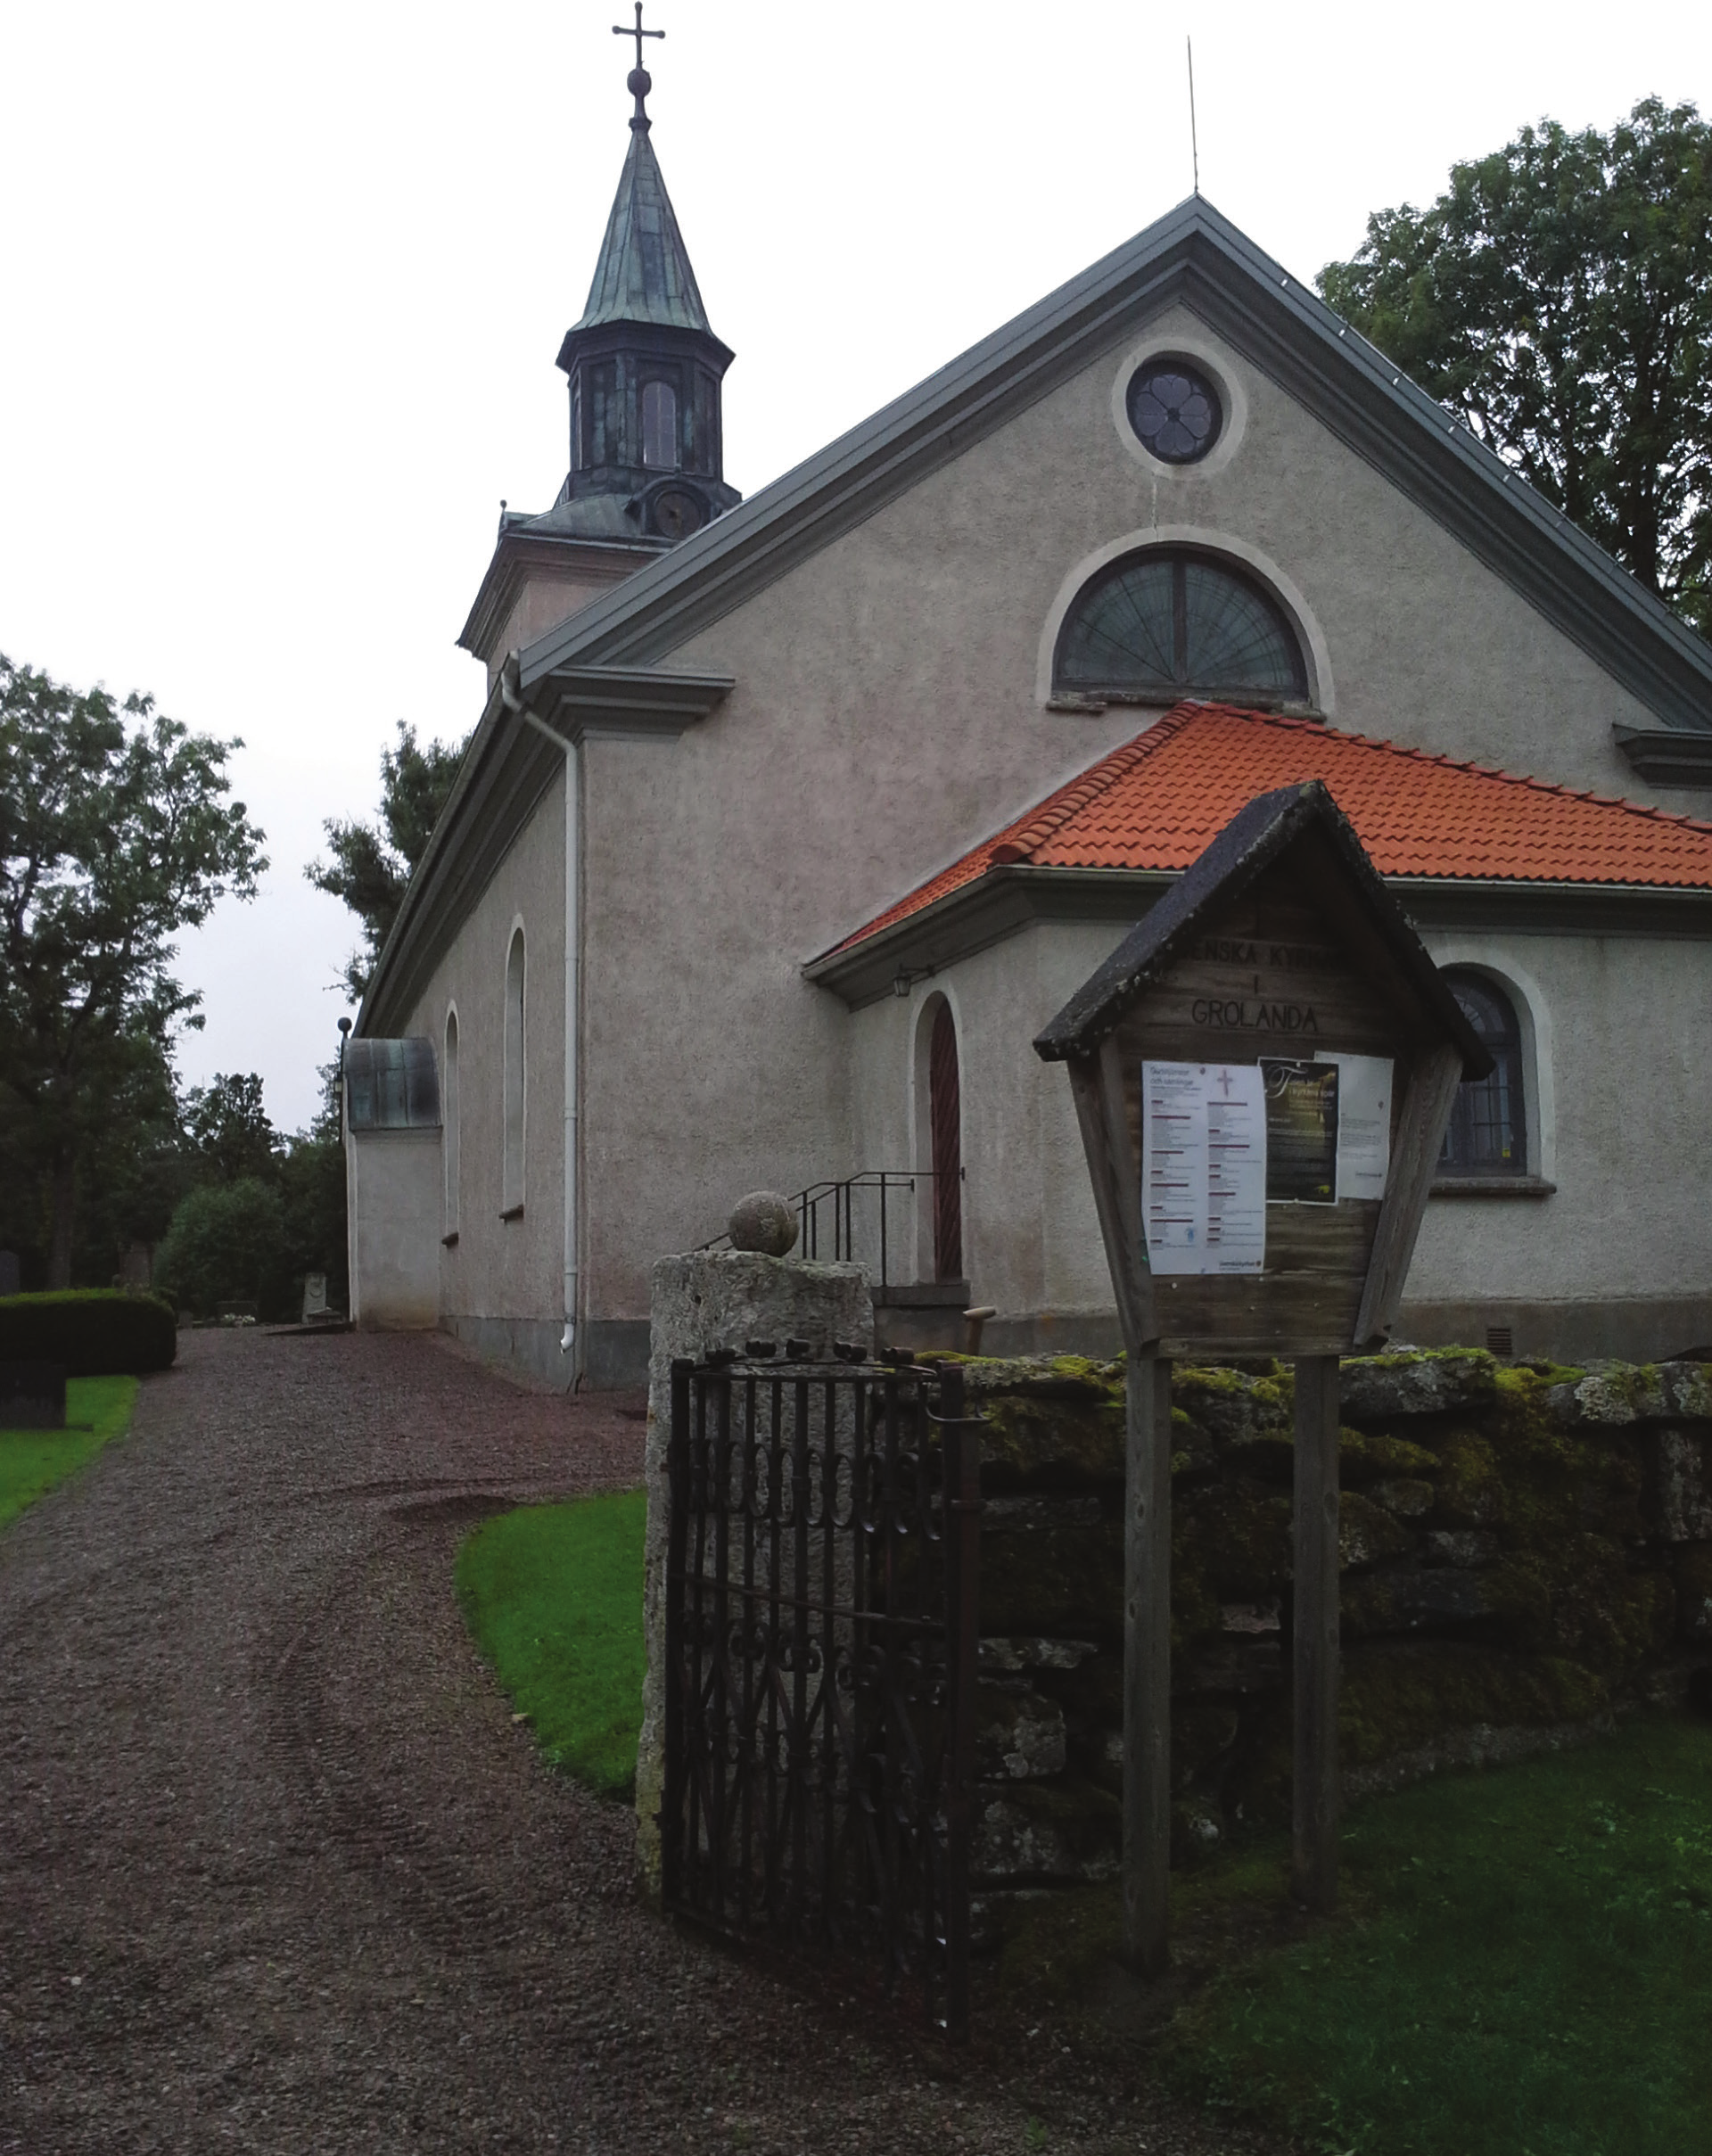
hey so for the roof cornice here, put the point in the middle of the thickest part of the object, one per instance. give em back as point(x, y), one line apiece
point(516, 553)
point(1194, 254)
point(509, 764)
point(1007, 899)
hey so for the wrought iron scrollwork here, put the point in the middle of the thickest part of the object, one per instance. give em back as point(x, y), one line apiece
point(821, 1607)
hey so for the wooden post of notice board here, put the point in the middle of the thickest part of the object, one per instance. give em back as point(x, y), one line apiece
point(1262, 1073)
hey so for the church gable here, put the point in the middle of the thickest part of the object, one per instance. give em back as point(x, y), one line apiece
point(1196, 259)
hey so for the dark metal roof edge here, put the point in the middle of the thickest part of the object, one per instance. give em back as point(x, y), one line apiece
point(476, 775)
point(645, 700)
point(1004, 898)
point(1015, 895)
point(1346, 381)
point(1250, 842)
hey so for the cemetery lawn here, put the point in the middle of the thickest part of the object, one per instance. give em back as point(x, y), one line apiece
point(31, 1461)
point(552, 1594)
point(1525, 1969)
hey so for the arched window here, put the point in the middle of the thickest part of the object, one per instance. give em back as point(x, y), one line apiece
point(1488, 1127)
point(945, 1128)
point(1171, 620)
point(660, 426)
point(516, 1078)
point(449, 1118)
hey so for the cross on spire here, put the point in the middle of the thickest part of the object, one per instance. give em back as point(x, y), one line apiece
point(639, 33)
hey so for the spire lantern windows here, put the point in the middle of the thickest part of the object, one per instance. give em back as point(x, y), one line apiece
point(659, 426)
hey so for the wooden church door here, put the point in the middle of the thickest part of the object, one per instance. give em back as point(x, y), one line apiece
point(945, 1118)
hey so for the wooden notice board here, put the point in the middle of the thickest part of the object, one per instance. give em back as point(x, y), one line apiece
point(1263, 1073)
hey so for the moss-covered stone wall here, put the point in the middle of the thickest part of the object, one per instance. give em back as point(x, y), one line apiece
point(1524, 1549)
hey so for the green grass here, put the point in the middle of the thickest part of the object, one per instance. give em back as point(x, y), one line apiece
point(31, 1461)
point(552, 1594)
point(1527, 1969)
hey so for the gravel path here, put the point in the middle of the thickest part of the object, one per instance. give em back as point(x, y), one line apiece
point(278, 1871)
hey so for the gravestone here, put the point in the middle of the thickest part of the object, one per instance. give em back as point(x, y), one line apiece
point(1263, 1073)
point(315, 1297)
point(32, 1395)
point(137, 1267)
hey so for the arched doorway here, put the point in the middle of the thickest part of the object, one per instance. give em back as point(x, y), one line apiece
point(945, 1126)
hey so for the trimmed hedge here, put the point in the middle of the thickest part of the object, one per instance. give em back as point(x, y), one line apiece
point(96, 1332)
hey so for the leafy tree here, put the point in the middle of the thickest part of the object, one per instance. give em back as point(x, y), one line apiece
point(227, 1245)
point(372, 864)
point(1559, 298)
point(116, 831)
point(312, 1187)
point(228, 1128)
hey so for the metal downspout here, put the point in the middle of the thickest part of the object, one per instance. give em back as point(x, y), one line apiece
point(514, 704)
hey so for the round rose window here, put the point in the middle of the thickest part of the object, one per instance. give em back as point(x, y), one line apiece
point(1174, 411)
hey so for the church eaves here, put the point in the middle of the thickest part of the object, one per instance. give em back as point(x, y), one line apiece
point(644, 273)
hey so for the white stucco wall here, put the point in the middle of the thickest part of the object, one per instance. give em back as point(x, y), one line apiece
point(1618, 1036)
point(392, 1186)
point(890, 709)
point(502, 1275)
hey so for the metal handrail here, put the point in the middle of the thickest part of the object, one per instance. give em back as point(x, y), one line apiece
point(840, 1194)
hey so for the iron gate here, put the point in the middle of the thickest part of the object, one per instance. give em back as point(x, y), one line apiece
point(822, 1601)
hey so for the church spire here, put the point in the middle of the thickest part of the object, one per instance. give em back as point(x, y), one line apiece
point(644, 363)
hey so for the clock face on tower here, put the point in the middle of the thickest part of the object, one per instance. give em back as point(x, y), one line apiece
point(676, 513)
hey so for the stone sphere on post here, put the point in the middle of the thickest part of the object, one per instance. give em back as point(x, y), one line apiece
point(763, 1222)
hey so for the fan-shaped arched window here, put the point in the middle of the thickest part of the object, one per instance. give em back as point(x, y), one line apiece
point(1488, 1134)
point(1171, 622)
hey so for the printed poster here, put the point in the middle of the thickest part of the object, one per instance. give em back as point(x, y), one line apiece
point(1301, 1130)
point(1203, 1167)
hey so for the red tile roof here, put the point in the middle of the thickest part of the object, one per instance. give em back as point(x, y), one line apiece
point(1157, 802)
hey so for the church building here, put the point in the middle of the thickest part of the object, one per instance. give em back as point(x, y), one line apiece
point(790, 821)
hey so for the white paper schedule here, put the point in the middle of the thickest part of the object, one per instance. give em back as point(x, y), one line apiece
point(1203, 1167)
point(1363, 1124)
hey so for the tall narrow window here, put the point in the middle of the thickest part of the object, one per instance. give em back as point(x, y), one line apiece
point(1487, 1133)
point(945, 1119)
point(660, 426)
point(449, 1120)
point(516, 1078)
point(578, 455)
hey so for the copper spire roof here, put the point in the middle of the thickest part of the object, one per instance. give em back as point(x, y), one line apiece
point(644, 273)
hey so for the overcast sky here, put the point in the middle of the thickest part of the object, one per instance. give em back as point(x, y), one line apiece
point(282, 290)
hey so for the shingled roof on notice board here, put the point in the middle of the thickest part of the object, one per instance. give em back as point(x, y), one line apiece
point(1251, 842)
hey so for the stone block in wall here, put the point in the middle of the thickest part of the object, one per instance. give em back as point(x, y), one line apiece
point(1235, 1406)
point(1368, 1534)
point(706, 1300)
point(1613, 1394)
point(1469, 1549)
point(1406, 1496)
point(1374, 1388)
point(1693, 1570)
point(1414, 1601)
point(1365, 1457)
point(1051, 1564)
point(1048, 1427)
point(1049, 1833)
point(1397, 1696)
point(1019, 1734)
point(1233, 1667)
point(1681, 1488)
